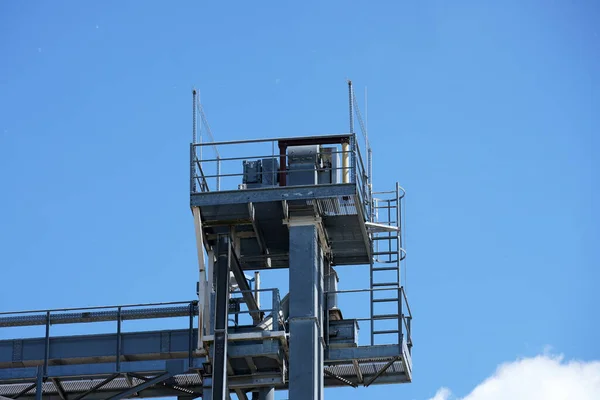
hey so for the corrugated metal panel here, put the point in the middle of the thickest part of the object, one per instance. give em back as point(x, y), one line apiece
point(369, 368)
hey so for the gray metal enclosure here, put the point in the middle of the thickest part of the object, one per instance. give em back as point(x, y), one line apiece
point(302, 204)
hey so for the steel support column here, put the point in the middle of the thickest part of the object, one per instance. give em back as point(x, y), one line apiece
point(223, 266)
point(306, 281)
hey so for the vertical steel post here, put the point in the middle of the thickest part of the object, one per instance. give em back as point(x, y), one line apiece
point(47, 344)
point(223, 266)
point(351, 105)
point(257, 288)
point(400, 318)
point(409, 334)
point(118, 359)
point(218, 173)
point(194, 116)
point(399, 260)
point(192, 170)
point(321, 311)
point(39, 385)
point(273, 172)
point(352, 138)
point(192, 149)
point(208, 314)
point(353, 158)
point(372, 295)
point(191, 336)
point(306, 283)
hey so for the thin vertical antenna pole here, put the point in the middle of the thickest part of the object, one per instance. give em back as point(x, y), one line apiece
point(194, 115)
point(352, 138)
point(350, 106)
point(192, 148)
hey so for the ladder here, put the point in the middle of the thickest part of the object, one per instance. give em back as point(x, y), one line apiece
point(385, 268)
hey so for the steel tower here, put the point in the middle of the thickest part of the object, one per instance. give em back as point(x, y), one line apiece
point(304, 205)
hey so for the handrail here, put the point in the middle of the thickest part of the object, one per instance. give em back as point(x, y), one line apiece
point(223, 143)
point(403, 319)
point(208, 173)
point(295, 170)
point(406, 300)
point(97, 307)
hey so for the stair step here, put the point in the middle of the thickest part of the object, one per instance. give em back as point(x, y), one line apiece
point(385, 269)
point(385, 316)
point(386, 284)
point(385, 332)
point(390, 237)
point(385, 300)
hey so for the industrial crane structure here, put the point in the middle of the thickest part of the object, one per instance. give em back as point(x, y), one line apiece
point(301, 205)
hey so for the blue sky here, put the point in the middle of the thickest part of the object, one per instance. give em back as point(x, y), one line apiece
point(486, 112)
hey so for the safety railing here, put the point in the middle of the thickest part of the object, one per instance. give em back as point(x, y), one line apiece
point(219, 166)
point(117, 314)
point(400, 318)
point(272, 321)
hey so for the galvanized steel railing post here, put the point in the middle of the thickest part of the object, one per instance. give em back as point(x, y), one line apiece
point(47, 344)
point(39, 386)
point(118, 359)
point(218, 173)
point(354, 158)
point(191, 335)
point(400, 318)
point(192, 170)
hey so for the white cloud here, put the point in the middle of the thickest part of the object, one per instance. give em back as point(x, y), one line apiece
point(442, 394)
point(543, 377)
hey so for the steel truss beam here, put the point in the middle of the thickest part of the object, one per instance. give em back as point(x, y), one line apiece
point(236, 267)
point(339, 378)
point(382, 370)
point(59, 388)
point(96, 387)
point(142, 386)
point(179, 389)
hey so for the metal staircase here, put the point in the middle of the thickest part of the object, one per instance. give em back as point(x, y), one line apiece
point(385, 268)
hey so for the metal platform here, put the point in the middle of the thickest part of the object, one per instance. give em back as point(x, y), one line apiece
point(259, 223)
point(166, 363)
point(158, 365)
